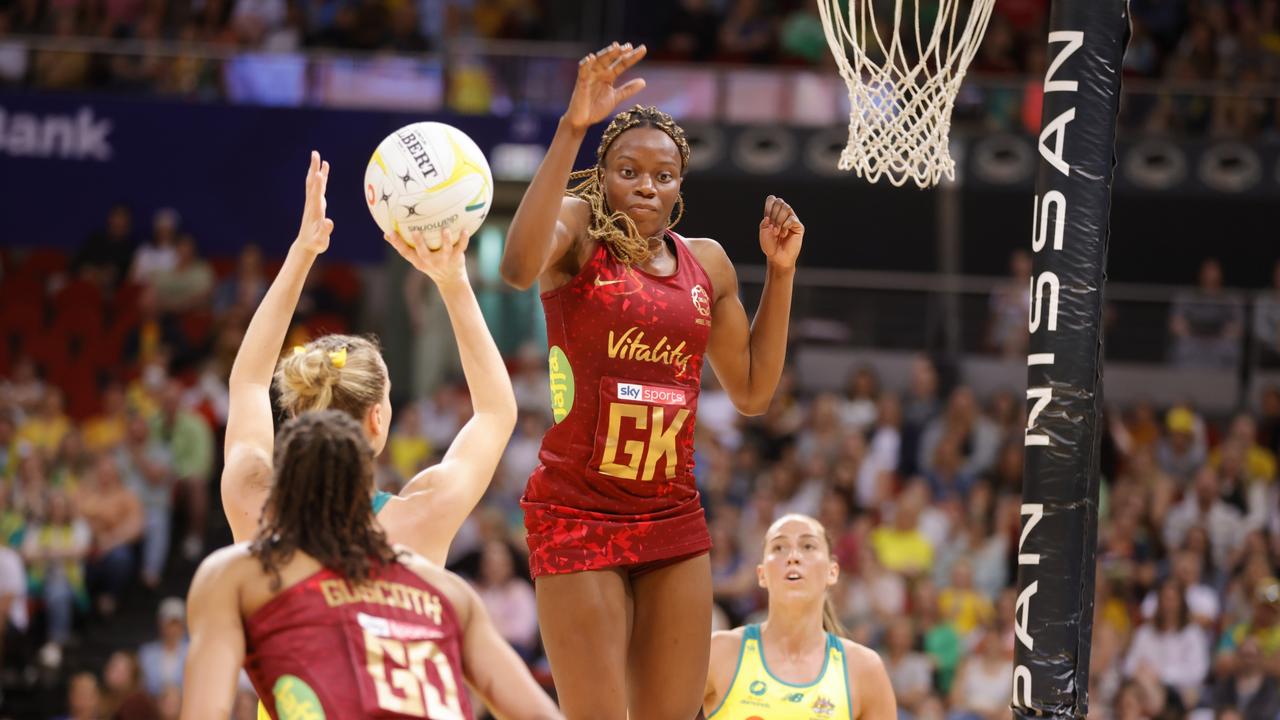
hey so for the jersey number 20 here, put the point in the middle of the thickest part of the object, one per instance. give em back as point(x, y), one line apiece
point(406, 688)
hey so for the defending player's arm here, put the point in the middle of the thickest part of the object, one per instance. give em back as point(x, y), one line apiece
point(875, 692)
point(453, 487)
point(748, 359)
point(493, 669)
point(216, 649)
point(547, 223)
point(246, 474)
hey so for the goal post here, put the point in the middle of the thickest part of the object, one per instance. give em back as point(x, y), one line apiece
point(1057, 546)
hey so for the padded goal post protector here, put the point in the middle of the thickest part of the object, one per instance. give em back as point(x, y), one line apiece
point(1058, 539)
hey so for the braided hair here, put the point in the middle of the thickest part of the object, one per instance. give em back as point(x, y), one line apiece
point(613, 227)
point(321, 500)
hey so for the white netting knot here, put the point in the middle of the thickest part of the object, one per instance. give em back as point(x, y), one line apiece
point(901, 93)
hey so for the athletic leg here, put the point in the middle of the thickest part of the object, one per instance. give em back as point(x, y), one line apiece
point(585, 621)
point(670, 641)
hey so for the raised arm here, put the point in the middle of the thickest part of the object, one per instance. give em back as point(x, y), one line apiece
point(246, 474)
point(547, 223)
point(217, 646)
point(434, 504)
point(748, 360)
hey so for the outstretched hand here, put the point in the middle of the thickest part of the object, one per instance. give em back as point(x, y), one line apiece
point(313, 235)
point(781, 233)
point(594, 95)
point(445, 265)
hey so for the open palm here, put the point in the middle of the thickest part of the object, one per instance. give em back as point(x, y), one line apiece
point(594, 96)
point(315, 230)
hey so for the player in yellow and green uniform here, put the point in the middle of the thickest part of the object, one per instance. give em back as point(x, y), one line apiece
point(795, 665)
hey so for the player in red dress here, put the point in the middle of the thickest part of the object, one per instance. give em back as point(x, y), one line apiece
point(617, 537)
point(328, 619)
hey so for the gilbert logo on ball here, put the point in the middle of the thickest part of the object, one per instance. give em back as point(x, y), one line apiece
point(428, 177)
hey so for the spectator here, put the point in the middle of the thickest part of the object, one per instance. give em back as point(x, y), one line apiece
point(160, 253)
point(23, 390)
point(900, 546)
point(189, 442)
point(55, 550)
point(882, 457)
point(747, 33)
point(1266, 320)
point(1203, 507)
point(1259, 462)
point(962, 606)
point(801, 36)
point(519, 460)
point(241, 293)
point(409, 451)
point(910, 672)
point(116, 520)
point(124, 696)
point(508, 598)
point(84, 698)
point(984, 682)
point(107, 255)
point(874, 595)
point(63, 69)
point(978, 437)
point(1262, 627)
point(1201, 600)
point(107, 429)
point(44, 429)
point(691, 34)
point(13, 604)
point(162, 660)
point(920, 405)
point(861, 400)
point(1170, 654)
point(1249, 689)
point(823, 436)
point(1206, 323)
point(947, 478)
point(189, 284)
point(146, 465)
point(1181, 452)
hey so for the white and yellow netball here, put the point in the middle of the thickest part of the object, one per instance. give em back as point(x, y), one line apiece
point(428, 177)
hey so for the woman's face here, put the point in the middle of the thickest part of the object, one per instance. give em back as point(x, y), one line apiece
point(642, 178)
point(797, 562)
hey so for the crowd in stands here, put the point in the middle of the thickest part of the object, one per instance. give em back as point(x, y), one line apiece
point(1200, 45)
point(109, 452)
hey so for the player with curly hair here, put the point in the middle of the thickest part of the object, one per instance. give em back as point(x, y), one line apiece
point(617, 537)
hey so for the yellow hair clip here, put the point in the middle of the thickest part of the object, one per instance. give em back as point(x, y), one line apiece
point(298, 350)
point(339, 358)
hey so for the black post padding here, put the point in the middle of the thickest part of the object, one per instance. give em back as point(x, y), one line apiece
point(1058, 541)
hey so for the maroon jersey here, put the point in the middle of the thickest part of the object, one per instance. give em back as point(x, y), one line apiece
point(615, 485)
point(390, 648)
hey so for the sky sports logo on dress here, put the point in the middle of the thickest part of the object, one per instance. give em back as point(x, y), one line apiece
point(649, 394)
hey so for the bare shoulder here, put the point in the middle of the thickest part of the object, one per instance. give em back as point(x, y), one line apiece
point(864, 664)
point(455, 589)
point(725, 646)
point(706, 249)
point(713, 258)
point(575, 210)
point(224, 568)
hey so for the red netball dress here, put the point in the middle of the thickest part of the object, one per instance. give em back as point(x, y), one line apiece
point(388, 648)
point(615, 485)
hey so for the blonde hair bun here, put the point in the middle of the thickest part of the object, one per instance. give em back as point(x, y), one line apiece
point(338, 372)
